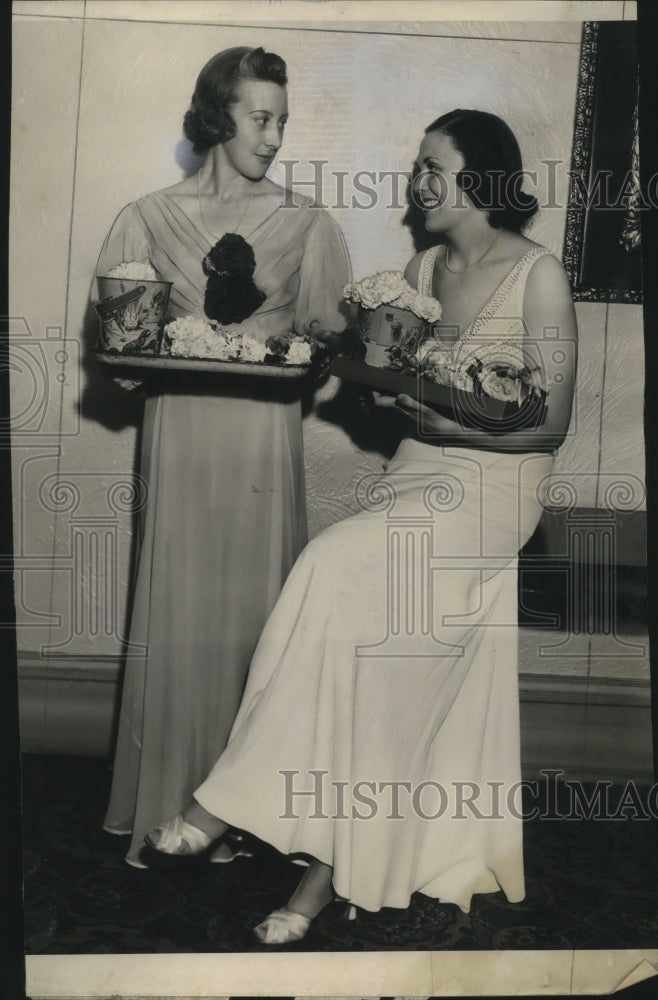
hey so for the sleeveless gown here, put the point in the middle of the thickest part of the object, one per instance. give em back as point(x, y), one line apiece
point(379, 729)
point(225, 516)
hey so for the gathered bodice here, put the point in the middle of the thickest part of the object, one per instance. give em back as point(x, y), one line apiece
point(302, 263)
point(495, 336)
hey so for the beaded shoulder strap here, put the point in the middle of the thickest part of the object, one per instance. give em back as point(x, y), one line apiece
point(426, 272)
point(508, 297)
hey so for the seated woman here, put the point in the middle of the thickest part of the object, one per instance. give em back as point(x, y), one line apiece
point(379, 729)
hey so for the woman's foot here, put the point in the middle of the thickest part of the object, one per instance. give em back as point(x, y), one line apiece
point(230, 849)
point(195, 814)
point(282, 927)
point(291, 923)
point(186, 837)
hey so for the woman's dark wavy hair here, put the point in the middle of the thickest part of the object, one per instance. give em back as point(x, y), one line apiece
point(492, 173)
point(208, 121)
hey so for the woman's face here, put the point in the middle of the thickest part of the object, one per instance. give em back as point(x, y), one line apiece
point(260, 114)
point(435, 189)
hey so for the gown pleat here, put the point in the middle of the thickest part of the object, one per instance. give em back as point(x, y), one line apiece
point(225, 515)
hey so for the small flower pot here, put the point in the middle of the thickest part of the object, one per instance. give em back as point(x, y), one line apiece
point(385, 326)
point(132, 313)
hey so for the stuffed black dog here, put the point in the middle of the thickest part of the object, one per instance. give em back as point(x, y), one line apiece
point(231, 294)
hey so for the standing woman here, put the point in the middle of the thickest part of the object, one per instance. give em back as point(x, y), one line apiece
point(379, 729)
point(221, 455)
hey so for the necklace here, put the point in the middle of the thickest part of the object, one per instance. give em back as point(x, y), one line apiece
point(475, 262)
point(240, 218)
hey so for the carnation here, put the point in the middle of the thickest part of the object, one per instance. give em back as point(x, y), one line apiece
point(427, 307)
point(252, 350)
point(391, 288)
point(255, 328)
point(134, 269)
point(500, 386)
point(299, 353)
point(194, 337)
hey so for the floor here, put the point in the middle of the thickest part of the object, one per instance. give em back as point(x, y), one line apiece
point(590, 884)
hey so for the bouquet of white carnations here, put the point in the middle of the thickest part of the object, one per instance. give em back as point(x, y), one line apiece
point(249, 341)
point(402, 353)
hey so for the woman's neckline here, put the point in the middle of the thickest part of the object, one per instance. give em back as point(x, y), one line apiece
point(171, 199)
point(486, 307)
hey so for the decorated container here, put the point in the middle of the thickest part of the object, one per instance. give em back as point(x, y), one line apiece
point(132, 313)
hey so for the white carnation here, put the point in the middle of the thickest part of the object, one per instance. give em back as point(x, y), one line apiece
point(252, 349)
point(192, 337)
point(254, 328)
point(299, 353)
point(376, 289)
point(500, 388)
point(390, 287)
point(134, 269)
point(427, 308)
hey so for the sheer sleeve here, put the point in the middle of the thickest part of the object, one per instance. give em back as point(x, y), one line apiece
point(126, 240)
point(324, 271)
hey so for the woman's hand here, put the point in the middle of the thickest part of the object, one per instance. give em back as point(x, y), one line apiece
point(130, 384)
point(370, 401)
point(329, 344)
point(427, 420)
point(335, 342)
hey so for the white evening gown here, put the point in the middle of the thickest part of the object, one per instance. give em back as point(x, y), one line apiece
point(391, 657)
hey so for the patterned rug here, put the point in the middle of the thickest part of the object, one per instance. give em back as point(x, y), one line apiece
point(590, 884)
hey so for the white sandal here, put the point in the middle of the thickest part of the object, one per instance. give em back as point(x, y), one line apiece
point(178, 839)
point(229, 850)
point(282, 927)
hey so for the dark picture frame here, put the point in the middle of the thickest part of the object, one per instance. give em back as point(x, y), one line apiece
point(602, 252)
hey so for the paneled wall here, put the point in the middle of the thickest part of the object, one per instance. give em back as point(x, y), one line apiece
point(98, 103)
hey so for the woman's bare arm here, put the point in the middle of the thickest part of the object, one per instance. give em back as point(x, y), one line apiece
point(550, 344)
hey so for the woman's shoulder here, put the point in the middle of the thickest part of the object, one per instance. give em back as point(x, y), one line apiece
point(412, 270)
point(547, 283)
point(533, 258)
point(130, 215)
point(136, 207)
point(188, 186)
point(288, 197)
point(307, 207)
point(178, 192)
point(307, 218)
point(540, 259)
point(151, 205)
point(515, 246)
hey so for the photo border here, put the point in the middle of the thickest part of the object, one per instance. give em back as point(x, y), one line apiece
point(44, 972)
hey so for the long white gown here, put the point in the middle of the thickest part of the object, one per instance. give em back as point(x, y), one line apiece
point(391, 657)
point(225, 518)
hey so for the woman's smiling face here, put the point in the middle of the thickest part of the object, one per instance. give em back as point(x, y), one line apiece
point(260, 114)
point(435, 188)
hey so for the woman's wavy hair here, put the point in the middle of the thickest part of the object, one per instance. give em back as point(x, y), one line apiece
point(208, 121)
point(493, 169)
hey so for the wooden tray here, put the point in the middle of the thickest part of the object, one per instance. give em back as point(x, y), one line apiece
point(167, 363)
